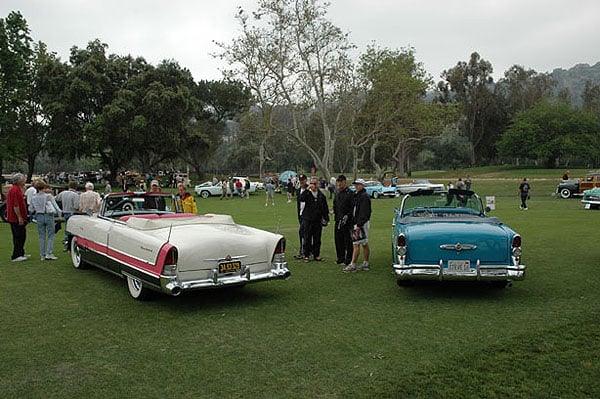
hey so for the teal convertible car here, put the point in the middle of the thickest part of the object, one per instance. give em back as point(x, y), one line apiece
point(448, 236)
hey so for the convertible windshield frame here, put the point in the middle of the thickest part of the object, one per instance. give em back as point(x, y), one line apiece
point(139, 203)
point(449, 203)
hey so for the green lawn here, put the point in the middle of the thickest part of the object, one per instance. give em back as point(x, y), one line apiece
point(67, 333)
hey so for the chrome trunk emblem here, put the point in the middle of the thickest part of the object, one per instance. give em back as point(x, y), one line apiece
point(458, 246)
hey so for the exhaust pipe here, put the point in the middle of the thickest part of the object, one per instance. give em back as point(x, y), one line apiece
point(173, 289)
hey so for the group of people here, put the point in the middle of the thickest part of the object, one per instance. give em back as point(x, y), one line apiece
point(352, 213)
point(229, 186)
point(461, 184)
point(38, 204)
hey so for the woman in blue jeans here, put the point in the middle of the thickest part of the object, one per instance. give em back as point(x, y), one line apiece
point(45, 207)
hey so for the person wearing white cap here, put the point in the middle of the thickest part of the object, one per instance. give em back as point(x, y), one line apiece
point(361, 215)
point(154, 202)
point(90, 200)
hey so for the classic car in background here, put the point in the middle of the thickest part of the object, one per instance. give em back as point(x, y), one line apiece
point(447, 236)
point(419, 184)
point(146, 239)
point(591, 198)
point(576, 187)
point(207, 189)
point(375, 189)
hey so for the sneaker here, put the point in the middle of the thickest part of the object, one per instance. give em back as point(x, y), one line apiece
point(43, 258)
point(365, 267)
point(51, 257)
point(350, 268)
point(299, 256)
point(20, 258)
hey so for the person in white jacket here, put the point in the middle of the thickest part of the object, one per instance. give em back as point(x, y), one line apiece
point(46, 209)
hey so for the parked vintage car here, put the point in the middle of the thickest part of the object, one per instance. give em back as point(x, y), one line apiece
point(419, 184)
point(448, 236)
point(591, 198)
point(576, 187)
point(375, 189)
point(207, 189)
point(146, 239)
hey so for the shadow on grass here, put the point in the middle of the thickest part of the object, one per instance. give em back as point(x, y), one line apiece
point(458, 290)
point(263, 294)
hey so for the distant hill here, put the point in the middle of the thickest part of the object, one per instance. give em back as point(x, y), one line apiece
point(574, 79)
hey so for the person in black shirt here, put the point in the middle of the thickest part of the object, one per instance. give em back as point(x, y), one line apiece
point(303, 186)
point(361, 215)
point(343, 204)
point(524, 190)
point(154, 202)
point(314, 215)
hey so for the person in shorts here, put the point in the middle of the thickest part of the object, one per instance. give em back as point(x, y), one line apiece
point(361, 216)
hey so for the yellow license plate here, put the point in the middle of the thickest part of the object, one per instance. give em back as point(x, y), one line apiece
point(230, 266)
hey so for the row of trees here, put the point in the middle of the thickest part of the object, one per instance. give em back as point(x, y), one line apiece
point(297, 99)
point(118, 109)
point(377, 114)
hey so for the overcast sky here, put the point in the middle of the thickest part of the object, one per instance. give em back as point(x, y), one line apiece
point(537, 34)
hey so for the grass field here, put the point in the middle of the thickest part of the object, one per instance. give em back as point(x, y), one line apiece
point(67, 333)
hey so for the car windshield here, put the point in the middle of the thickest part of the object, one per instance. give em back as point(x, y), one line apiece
point(139, 203)
point(453, 202)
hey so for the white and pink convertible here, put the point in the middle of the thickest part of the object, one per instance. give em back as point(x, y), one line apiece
point(146, 239)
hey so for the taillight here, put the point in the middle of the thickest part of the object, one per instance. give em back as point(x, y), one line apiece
point(279, 254)
point(280, 248)
point(401, 240)
point(170, 265)
point(401, 245)
point(516, 249)
point(516, 241)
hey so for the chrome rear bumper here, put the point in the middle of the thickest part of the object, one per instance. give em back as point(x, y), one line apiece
point(172, 285)
point(479, 273)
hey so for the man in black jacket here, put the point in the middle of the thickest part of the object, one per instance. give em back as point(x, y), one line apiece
point(314, 214)
point(343, 204)
point(361, 215)
point(303, 186)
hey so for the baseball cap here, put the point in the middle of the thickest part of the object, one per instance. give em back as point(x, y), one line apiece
point(341, 178)
point(155, 183)
point(359, 181)
point(301, 177)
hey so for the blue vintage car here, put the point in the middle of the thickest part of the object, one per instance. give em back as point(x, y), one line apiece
point(447, 236)
point(591, 198)
point(375, 189)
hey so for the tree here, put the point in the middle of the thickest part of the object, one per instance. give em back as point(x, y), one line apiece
point(219, 102)
point(550, 132)
point(591, 98)
point(16, 53)
point(521, 89)
point(394, 115)
point(297, 59)
point(32, 126)
point(470, 83)
point(164, 113)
